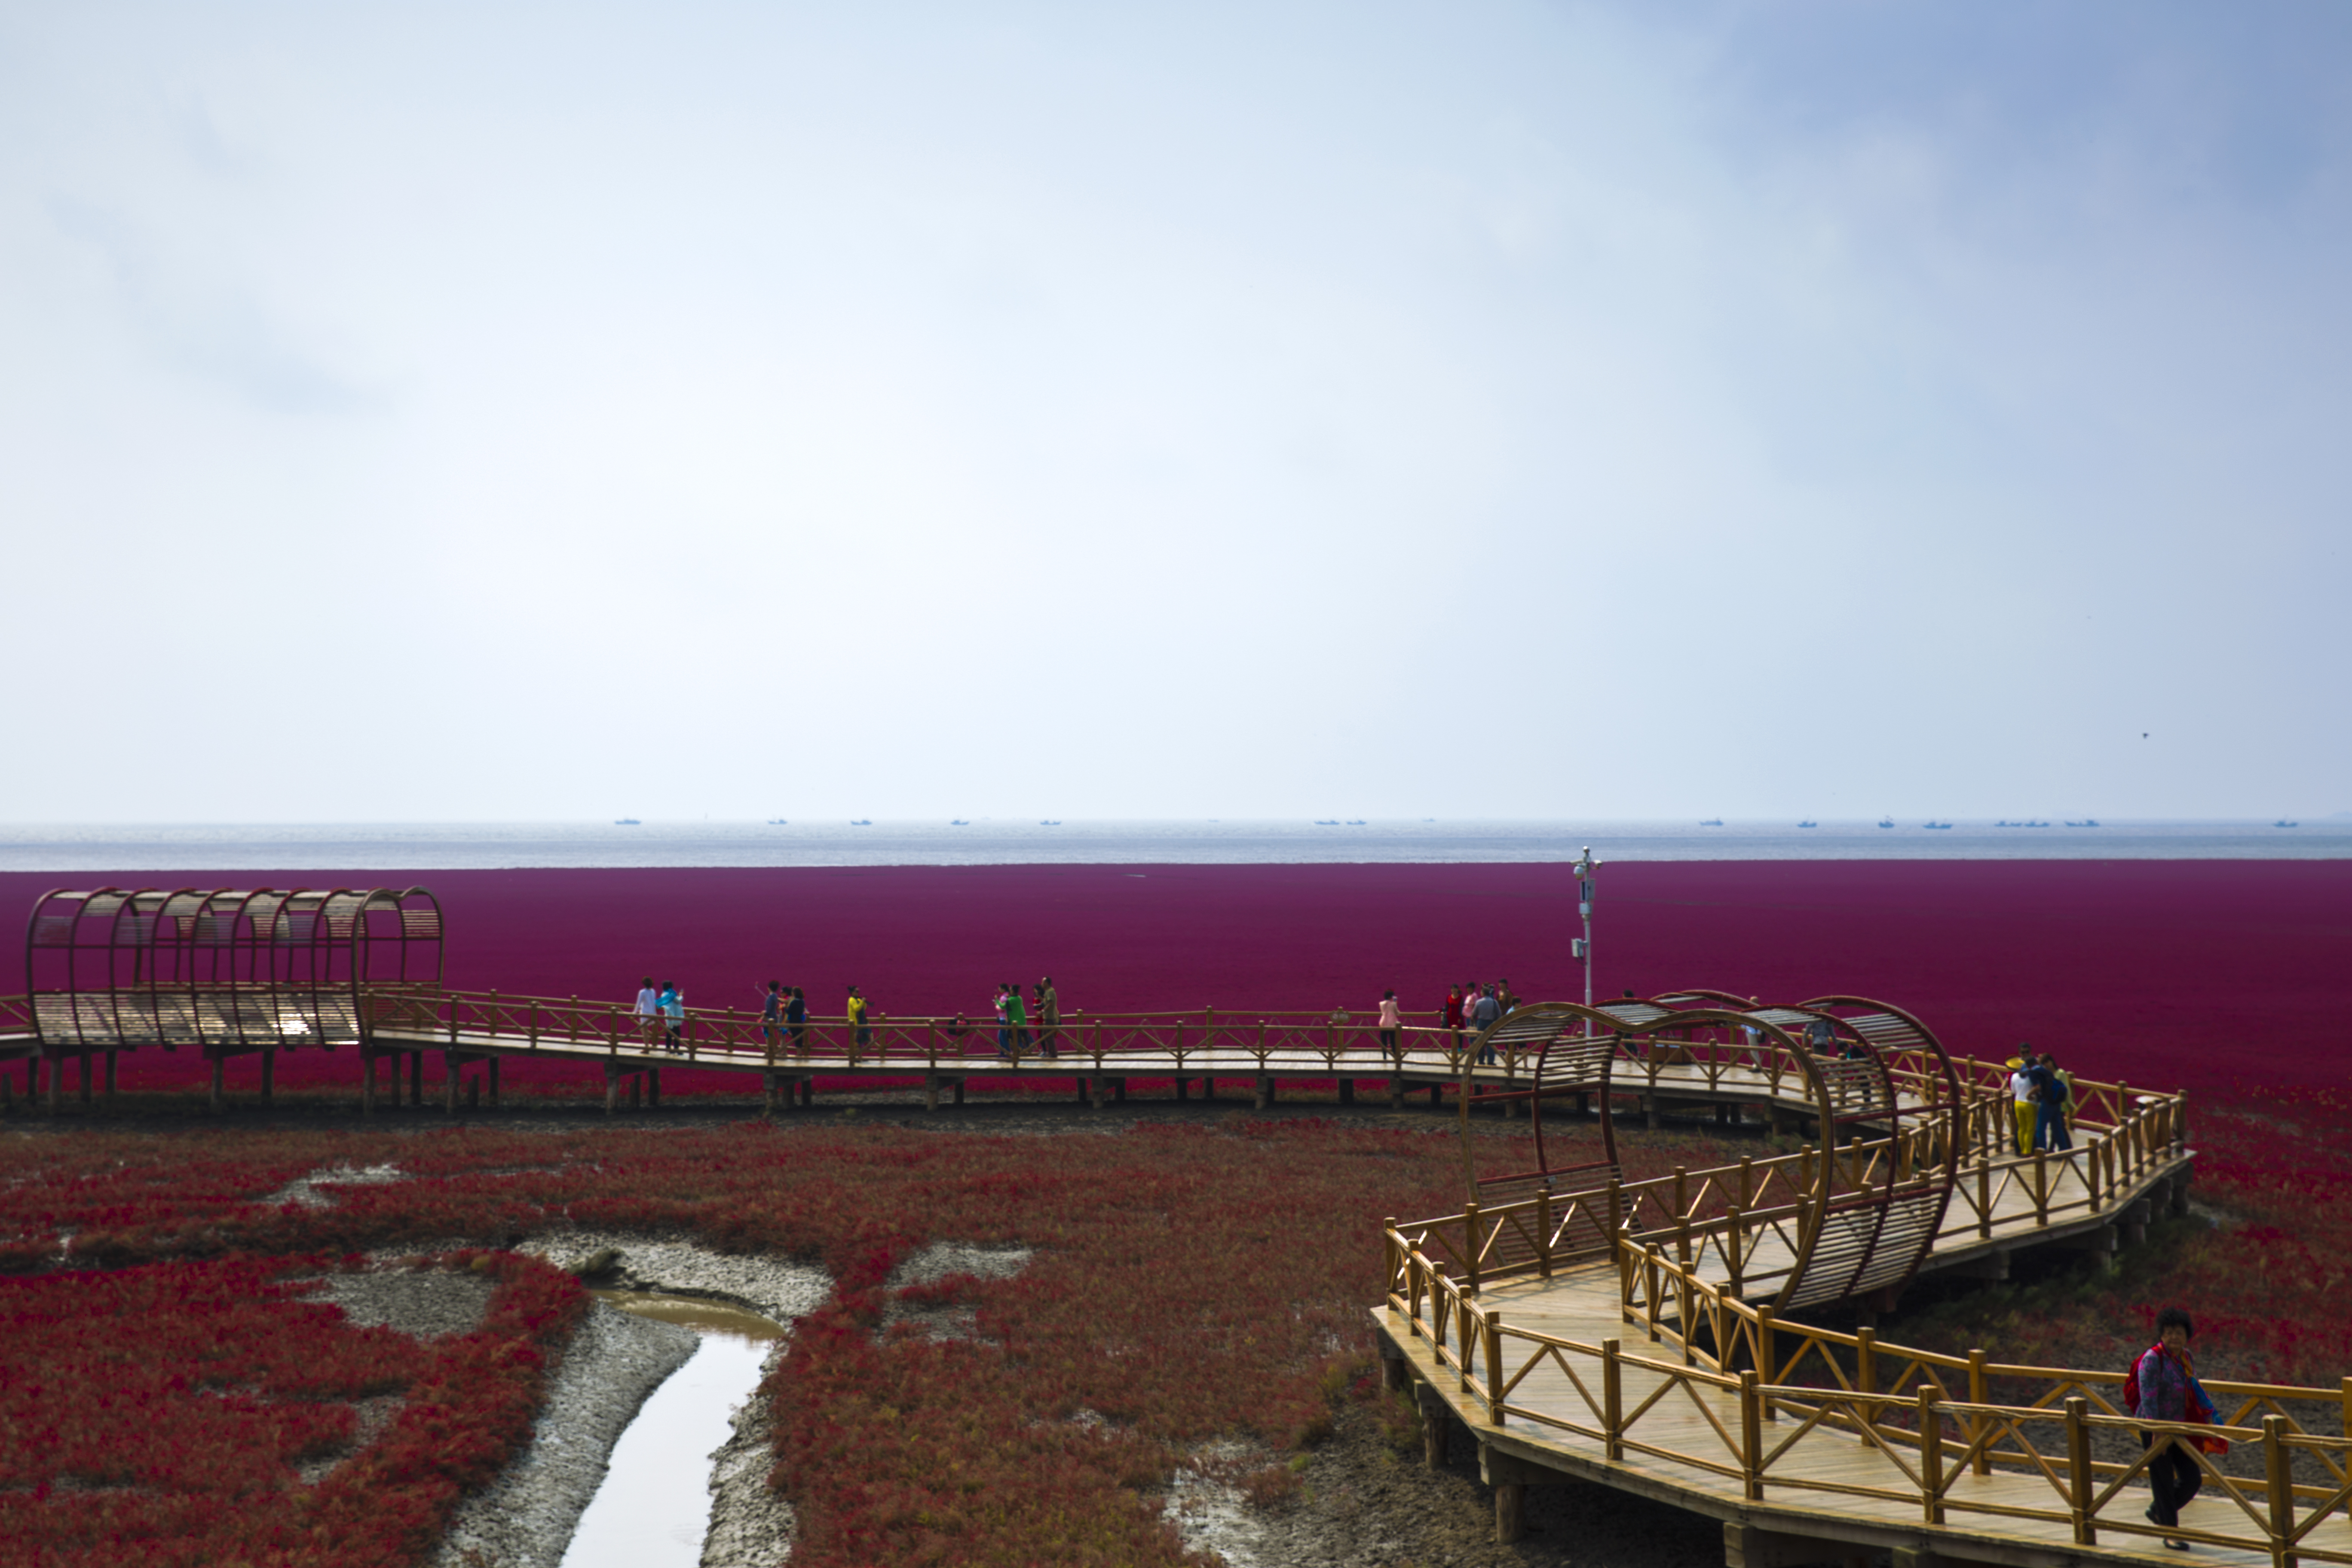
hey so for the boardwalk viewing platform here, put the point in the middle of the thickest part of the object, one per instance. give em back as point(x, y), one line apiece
point(1653, 1334)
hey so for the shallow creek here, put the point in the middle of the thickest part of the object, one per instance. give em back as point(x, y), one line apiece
point(653, 1509)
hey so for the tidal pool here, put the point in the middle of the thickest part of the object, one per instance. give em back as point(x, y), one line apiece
point(653, 1508)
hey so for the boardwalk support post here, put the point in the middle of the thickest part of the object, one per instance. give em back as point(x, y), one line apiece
point(2278, 1470)
point(1491, 1327)
point(1510, 1511)
point(1931, 1456)
point(2079, 1479)
point(269, 1077)
point(1751, 1436)
point(1432, 1428)
point(217, 1090)
point(110, 1076)
point(1612, 1400)
point(612, 1087)
point(494, 1081)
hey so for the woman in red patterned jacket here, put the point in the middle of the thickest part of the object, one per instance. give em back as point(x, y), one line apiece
point(2162, 1386)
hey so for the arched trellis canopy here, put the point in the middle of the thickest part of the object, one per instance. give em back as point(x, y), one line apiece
point(226, 971)
point(1864, 1207)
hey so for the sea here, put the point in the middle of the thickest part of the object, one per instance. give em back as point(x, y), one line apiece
point(448, 846)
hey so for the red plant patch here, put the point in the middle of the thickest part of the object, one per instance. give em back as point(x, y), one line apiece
point(155, 1414)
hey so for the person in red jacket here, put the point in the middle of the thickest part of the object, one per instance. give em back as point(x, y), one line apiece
point(2162, 1385)
point(1454, 1008)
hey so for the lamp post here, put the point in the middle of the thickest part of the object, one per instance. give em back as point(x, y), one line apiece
point(1583, 946)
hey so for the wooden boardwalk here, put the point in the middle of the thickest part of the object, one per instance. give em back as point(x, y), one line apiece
point(1638, 1365)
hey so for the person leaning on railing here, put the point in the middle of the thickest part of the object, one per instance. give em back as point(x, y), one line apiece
point(2162, 1386)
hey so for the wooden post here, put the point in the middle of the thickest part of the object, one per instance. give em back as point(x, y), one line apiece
point(1470, 1260)
point(1751, 1436)
point(612, 1087)
point(474, 1092)
point(768, 1093)
point(653, 1088)
point(217, 1091)
point(1768, 1357)
point(1432, 1429)
point(1612, 1400)
point(1984, 1196)
point(1977, 1395)
point(2278, 1470)
point(2079, 1479)
point(269, 1077)
point(84, 1085)
point(1931, 1456)
point(494, 1081)
point(1543, 1232)
point(449, 1083)
point(1510, 1511)
point(367, 1082)
point(1491, 1326)
point(110, 1076)
point(2041, 1186)
point(416, 1070)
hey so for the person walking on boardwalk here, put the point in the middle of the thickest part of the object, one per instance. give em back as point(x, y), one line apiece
point(673, 1007)
point(796, 1020)
point(772, 1016)
point(648, 1011)
point(862, 1032)
point(1454, 1008)
point(2021, 1098)
point(2162, 1386)
point(1049, 1017)
point(2049, 1105)
point(1483, 1014)
point(1392, 1021)
point(1004, 1022)
point(1016, 1012)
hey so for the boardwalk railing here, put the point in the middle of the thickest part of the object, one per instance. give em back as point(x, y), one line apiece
point(1759, 1386)
point(1740, 1223)
point(738, 1036)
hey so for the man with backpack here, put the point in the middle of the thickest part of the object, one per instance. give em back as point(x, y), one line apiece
point(2050, 1093)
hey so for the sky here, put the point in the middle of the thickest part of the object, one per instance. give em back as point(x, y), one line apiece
point(534, 412)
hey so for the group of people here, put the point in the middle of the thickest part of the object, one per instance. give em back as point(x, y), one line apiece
point(1014, 1013)
point(661, 1014)
point(2042, 1099)
point(1471, 1005)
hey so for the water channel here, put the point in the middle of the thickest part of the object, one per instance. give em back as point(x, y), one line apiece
point(653, 1508)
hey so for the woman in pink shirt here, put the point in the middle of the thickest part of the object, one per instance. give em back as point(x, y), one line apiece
point(1391, 1020)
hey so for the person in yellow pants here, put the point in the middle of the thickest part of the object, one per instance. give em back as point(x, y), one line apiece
point(2021, 1096)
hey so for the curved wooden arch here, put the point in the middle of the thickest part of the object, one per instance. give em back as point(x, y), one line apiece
point(1863, 1223)
point(224, 970)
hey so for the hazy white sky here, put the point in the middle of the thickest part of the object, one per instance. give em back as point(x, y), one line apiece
point(534, 410)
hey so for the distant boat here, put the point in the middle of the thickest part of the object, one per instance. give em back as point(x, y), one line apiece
point(1055, 822)
point(626, 822)
point(2005, 823)
point(777, 822)
point(1809, 825)
point(1938, 827)
point(1359, 822)
point(2086, 822)
point(861, 822)
point(959, 822)
point(1712, 822)
point(2283, 823)
point(1327, 822)
point(1886, 822)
